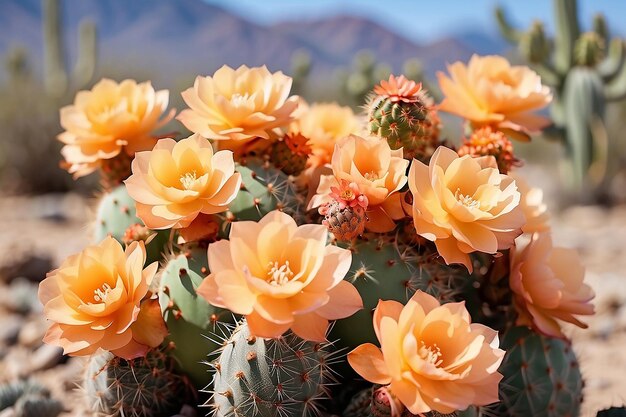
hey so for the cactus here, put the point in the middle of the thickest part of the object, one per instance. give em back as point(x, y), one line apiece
point(10, 393)
point(17, 65)
point(583, 79)
point(190, 319)
point(257, 377)
point(410, 122)
point(541, 377)
point(87, 52)
point(356, 82)
point(584, 107)
point(290, 153)
point(385, 269)
point(55, 74)
point(264, 188)
point(300, 70)
point(37, 406)
point(143, 387)
point(116, 214)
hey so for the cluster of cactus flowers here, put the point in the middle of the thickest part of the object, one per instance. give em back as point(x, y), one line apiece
point(283, 261)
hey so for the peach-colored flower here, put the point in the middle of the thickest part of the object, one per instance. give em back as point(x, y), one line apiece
point(98, 299)
point(379, 173)
point(235, 107)
point(490, 91)
point(548, 286)
point(535, 210)
point(109, 119)
point(324, 124)
point(431, 355)
point(176, 181)
point(281, 276)
point(464, 204)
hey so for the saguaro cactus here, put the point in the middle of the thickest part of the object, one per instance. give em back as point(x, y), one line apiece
point(584, 75)
point(56, 77)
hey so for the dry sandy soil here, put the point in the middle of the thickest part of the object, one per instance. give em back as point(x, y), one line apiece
point(55, 226)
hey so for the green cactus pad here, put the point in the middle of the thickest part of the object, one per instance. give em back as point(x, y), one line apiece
point(541, 376)
point(116, 213)
point(190, 319)
point(265, 188)
point(256, 377)
point(385, 269)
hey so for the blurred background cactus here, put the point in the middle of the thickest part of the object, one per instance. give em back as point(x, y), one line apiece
point(585, 71)
point(357, 81)
point(29, 153)
point(56, 77)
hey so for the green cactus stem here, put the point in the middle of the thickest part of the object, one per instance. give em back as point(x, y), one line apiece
point(191, 320)
point(256, 377)
point(384, 268)
point(541, 377)
point(143, 387)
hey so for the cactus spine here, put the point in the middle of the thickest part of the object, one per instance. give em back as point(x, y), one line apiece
point(143, 387)
point(56, 77)
point(256, 377)
point(264, 188)
point(583, 79)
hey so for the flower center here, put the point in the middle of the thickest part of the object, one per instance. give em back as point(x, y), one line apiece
point(347, 194)
point(238, 100)
point(188, 180)
point(100, 294)
point(430, 354)
point(371, 176)
point(466, 200)
point(279, 274)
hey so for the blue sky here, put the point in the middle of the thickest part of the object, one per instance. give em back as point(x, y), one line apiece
point(422, 20)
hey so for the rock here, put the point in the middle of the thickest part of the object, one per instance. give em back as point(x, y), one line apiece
point(22, 262)
point(46, 357)
point(21, 297)
point(32, 333)
point(9, 412)
point(10, 327)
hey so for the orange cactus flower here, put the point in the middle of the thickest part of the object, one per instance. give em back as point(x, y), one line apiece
point(535, 210)
point(399, 89)
point(431, 357)
point(109, 119)
point(281, 276)
point(99, 299)
point(324, 124)
point(177, 181)
point(464, 204)
point(377, 171)
point(237, 106)
point(490, 91)
point(548, 286)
